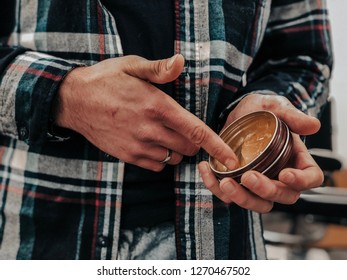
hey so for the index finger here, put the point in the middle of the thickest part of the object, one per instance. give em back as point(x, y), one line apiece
point(197, 132)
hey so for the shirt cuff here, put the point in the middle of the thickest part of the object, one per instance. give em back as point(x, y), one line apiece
point(30, 85)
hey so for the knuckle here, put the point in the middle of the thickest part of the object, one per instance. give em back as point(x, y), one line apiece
point(191, 150)
point(217, 152)
point(271, 103)
point(243, 201)
point(156, 110)
point(157, 68)
point(271, 193)
point(130, 62)
point(267, 208)
point(135, 151)
point(268, 103)
point(145, 134)
point(198, 135)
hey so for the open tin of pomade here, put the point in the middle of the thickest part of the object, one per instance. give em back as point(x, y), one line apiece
point(261, 141)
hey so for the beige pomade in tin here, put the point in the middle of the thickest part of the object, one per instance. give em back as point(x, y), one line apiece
point(261, 141)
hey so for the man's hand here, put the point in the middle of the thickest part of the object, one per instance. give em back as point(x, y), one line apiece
point(258, 192)
point(115, 106)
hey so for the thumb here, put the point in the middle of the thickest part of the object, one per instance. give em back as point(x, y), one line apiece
point(159, 71)
point(301, 123)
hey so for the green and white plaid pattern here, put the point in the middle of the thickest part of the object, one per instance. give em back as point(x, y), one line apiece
point(59, 200)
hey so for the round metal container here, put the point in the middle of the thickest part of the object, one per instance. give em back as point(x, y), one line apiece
point(261, 141)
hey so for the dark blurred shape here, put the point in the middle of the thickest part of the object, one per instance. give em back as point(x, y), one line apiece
point(7, 17)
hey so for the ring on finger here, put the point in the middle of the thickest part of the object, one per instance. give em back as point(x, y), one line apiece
point(168, 156)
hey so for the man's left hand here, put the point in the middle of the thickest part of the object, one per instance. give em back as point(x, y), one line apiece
point(256, 191)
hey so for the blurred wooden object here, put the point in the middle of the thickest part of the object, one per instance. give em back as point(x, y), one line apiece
point(335, 237)
point(340, 178)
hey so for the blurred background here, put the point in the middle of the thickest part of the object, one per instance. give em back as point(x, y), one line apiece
point(338, 14)
point(315, 228)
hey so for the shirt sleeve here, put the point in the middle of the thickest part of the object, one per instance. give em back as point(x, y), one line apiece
point(295, 59)
point(29, 82)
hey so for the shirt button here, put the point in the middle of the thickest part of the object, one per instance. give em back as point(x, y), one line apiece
point(110, 158)
point(23, 132)
point(103, 241)
point(244, 79)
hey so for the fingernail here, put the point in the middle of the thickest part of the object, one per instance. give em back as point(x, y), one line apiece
point(231, 164)
point(250, 180)
point(228, 187)
point(171, 62)
point(204, 167)
point(288, 178)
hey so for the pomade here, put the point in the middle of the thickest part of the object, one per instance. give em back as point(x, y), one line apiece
point(261, 142)
point(256, 141)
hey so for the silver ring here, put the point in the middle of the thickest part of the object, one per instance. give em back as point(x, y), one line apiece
point(168, 156)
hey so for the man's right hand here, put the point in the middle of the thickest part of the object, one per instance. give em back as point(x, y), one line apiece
point(114, 105)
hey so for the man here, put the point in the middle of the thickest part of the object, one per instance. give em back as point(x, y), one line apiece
point(106, 104)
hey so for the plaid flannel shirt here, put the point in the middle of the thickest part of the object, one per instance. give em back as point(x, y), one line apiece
point(62, 200)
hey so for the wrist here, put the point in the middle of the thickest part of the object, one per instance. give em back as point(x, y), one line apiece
point(63, 104)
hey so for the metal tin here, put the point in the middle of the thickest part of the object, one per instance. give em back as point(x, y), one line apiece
point(261, 141)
